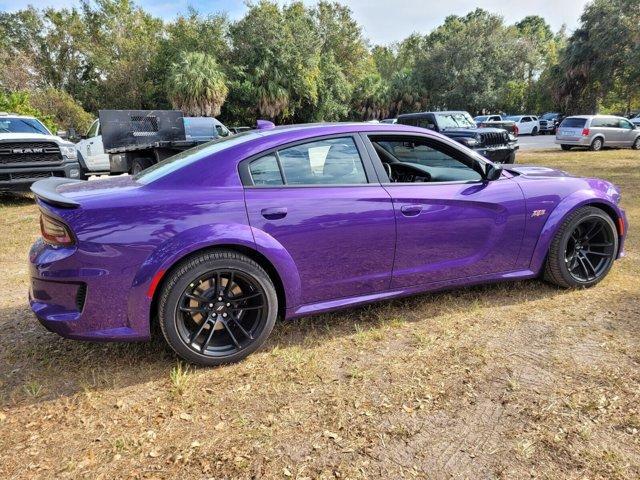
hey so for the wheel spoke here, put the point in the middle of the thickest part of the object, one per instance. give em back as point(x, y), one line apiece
point(593, 231)
point(205, 344)
point(233, 337)
point(586, 259)
point(244, 332)
point(197, 333)
point(600, 254)
point(196, 297)
point(584, 267)
point(246, 297)
point(193, 309)
point(227, 288)
point(253, 307)
point(600, 244)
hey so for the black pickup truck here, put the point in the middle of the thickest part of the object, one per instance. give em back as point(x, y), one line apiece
point(496, 144)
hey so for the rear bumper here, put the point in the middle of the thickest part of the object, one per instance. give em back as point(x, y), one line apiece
point(76, 300)
point(579, 142)
point(20, 178)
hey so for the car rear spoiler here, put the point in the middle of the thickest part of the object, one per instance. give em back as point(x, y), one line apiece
point(47, 190)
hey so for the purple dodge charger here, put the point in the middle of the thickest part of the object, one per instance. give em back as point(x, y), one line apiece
point(218, 241)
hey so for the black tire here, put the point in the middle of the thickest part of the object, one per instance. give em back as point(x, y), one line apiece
point(565, 248)
point(596, 144)
point(534, 132)
point(139, 164)
point(241, 340)
point(566, 148)
point(636, 144)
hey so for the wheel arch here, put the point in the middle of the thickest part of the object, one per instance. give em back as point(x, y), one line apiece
point(257, 245)
point(565, 208)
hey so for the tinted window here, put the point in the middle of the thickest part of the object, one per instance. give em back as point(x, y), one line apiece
point(574, 122)
point(265, 171)
point(331, 161)
point(598, 122)
point(418, 160)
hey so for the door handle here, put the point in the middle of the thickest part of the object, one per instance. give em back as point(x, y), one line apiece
point(274, 213)
point(411, 210)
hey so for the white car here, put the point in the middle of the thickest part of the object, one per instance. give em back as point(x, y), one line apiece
point(487, 118)
point(91, 155)
point(527, 124)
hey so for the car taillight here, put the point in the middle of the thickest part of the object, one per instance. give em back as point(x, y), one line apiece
point(55, 232)
point(516, 131)
point(585, 132)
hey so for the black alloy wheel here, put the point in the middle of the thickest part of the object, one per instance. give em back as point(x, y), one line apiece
point(217, 308)
point(583, 249)
point(590, 250)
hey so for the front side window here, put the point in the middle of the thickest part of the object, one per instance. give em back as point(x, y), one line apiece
point(333, 161)
point(421, 160)
point(625, 124)
point(93, 130)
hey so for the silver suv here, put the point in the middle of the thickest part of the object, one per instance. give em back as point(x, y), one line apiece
point(597, 131)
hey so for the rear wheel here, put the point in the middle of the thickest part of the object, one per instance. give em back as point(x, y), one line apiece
point(583, 250)
point(566, 148)
point(217, 308)
point(596, 145)
point(139, 164)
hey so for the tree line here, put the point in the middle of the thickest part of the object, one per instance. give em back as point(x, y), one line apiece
point(293, 63)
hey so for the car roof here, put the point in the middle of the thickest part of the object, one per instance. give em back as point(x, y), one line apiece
point(15, 115)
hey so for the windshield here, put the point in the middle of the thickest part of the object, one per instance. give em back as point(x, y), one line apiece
point(22, 125)
point(482, 118)
point(455, 120)
point(513, 118)
point(549, 116)
point(187, 157)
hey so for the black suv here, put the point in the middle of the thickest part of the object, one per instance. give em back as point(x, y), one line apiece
point(495, 144)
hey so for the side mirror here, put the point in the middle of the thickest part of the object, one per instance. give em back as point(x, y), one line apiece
point(494, 172)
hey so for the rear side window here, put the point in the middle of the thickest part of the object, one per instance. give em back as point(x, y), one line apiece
point(574, 122)
point(333, 161)
point(265, 171)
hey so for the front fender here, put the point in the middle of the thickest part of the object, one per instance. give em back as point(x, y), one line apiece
point(559, 213)
point(205, 236)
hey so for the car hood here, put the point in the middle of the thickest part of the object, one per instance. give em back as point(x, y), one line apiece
point(31, 137)
point(536, 171)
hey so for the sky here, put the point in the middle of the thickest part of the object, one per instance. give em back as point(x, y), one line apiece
point(383, 21)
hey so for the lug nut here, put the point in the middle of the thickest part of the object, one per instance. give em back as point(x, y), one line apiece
point(211, 305)
point(224, 314)
point(228, 304)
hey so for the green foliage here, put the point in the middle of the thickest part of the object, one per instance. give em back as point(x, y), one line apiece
point(19, 103)
point(196, 85)
point(62, 108)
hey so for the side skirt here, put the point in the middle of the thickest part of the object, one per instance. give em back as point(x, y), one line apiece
point(319, 307)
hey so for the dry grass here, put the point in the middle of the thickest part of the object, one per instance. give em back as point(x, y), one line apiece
point(504, 381)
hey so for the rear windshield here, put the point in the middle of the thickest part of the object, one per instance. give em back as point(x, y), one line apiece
point(573, 122)
point(22, 125)
point(187, 157)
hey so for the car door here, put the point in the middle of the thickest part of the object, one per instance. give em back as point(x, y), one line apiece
point(626, 132)
point(525, 125)
point(321, 201)
point(451, 223)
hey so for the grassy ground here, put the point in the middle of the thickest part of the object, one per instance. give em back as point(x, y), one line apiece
point(504, 381)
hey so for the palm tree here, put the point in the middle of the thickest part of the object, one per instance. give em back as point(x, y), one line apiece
point(196, 85)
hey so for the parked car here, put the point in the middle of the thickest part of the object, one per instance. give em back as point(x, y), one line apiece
point(549, 122)
point(219, 240)
point(597, 131)
point(142, 148)
point(29, 152)
point(392, 121)
point(487, 118)
point(494, 143)
point(527, 124)
point(509, 126)
point(635, 121)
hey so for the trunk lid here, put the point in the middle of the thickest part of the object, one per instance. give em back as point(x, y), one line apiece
point(69, 193)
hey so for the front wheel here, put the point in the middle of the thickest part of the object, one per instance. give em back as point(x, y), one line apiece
point(636, 144)
point(217, 308)
point(534, 132)
point(583, 250)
